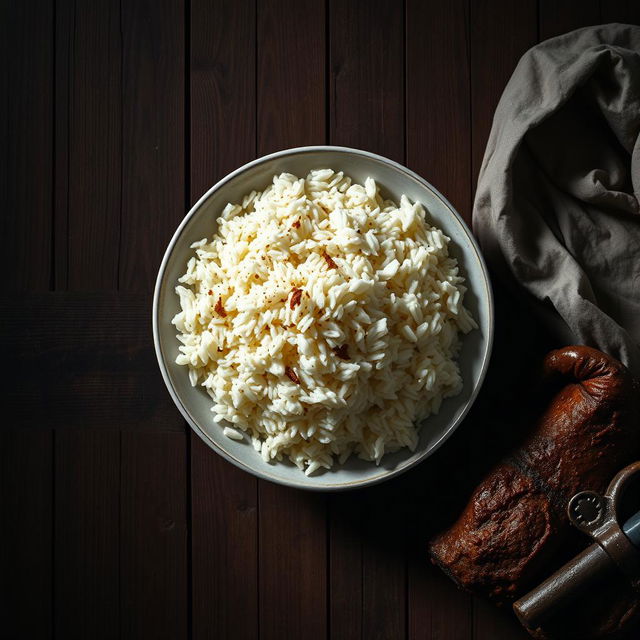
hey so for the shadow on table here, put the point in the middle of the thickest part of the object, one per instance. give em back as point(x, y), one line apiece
point(395, 520)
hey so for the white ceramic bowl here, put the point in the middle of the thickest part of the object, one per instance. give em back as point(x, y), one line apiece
point(393, 180)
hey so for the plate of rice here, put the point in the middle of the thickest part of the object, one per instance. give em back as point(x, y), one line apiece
point(323, 318)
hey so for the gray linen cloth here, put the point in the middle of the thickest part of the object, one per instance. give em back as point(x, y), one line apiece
point(557, 208)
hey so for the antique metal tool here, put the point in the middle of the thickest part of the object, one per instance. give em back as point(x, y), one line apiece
point(616, 548)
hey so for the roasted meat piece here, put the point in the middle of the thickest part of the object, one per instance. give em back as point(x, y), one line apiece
point(508, 536)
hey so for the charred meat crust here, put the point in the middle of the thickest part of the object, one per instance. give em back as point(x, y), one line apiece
point(507, 535)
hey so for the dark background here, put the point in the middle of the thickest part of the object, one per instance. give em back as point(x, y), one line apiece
point(115, 520)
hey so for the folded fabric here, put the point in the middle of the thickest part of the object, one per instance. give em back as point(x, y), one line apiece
point(557, 208)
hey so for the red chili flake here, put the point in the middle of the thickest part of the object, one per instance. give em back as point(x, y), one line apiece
point(330, 263)
point(342, 352)
point(296, 297)
point(210, 292)
point(219, 309)
point(296, 224)
point(291, 374)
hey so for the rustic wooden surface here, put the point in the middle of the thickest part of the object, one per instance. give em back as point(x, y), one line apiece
point(116, 521)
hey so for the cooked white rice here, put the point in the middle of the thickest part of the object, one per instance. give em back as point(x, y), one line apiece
point(322, 320)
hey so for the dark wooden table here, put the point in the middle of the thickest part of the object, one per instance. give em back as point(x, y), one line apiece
point(116, 520)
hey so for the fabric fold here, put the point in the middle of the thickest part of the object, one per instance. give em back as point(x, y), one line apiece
point(557, 208)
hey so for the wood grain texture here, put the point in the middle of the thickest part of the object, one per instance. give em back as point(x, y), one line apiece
point(97, 367)
point(438, 101)
point(366, 82)
point(153, 136)
point(437, 609)
point(26, 533)
point(292, 524)
point(222, 89)
point(94, 121)
point(514, 27)
point(501, 32)
point(367, 111)
point(439, 115)
point(153, 536)
point(224, 514)
point(290, 74)
point(438, 119)
point(384, 569)
point(26, 111)
point(154, 594)
point(293, 563)
point(224, 500)
point(117, 521)
point(491, 623)
point(86, 540)
point(625, 11)
point(556, 17)
point(26, 227)
point(346, 598)
point(63, 77)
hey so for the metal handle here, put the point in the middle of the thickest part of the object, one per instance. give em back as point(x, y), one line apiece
point(596, 516)
point(563, 587)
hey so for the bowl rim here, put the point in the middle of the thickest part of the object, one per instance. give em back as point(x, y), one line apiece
point(385, 474)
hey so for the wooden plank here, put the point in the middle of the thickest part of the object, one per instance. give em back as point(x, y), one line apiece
point(438, 101)
point(291, 73)
point(345, 568)
point(436, 608)
point(368, 545)
point(26, 189)
point(154, 593)
point(87, 513)
point(384, 569)
point(292, 524)
point(63, 70)
point(153, 134)
point(123, 116)
point(367, 76)
point(293, 563)
point(223, 96)
point(153, 536)
point(367, 111)
point(224, 547)
point(224, 529)
point(501, 31)
point(94, 144)
point(438, 118)
point(439, 148)
point(560, 16)
point(26, 110)
point(88, 349)
point(26, 533)
point(624, 11)
point(491, 623)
